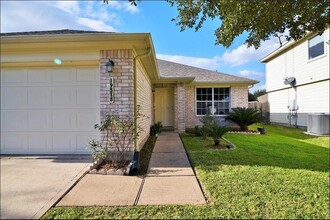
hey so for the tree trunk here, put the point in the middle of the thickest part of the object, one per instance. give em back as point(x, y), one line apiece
point(216, 142)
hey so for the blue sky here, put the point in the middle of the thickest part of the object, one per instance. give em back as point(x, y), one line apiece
point(188, 47)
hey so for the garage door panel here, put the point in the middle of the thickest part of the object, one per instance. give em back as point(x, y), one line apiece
point(39, 97)
point(14, 76)
point(62, 75)
point(39, 143)
point(64, 96)
point(39, 76)
point(39, 120)
point(87, 75)
point(86, 95)
point(14, 120)
point(82, 142)
point(63, 120)
point(12, 97)
point(63, 143)
point(86, 120)
point(14, 143)
point(49, 110)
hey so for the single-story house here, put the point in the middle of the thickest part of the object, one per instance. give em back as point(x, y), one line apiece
point(298, 82)
point(55, 85)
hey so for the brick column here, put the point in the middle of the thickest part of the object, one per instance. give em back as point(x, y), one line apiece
point(180, 94)
point(123, 102)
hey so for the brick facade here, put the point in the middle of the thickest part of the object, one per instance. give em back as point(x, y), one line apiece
point(145, 103)
point(123, 102)
point(239, 96)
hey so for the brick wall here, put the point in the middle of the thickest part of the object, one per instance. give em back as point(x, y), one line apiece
point(145, 101)
point(239, 96)
point(191, 119)
point(123, 102)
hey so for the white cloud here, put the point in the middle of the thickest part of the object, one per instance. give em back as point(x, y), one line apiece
point(35, 16)
point(205, 63)
point(123, 5)
point(243, 54)
point(71, 7)
point(43, 15)
point(95, 25)
point(250, 73)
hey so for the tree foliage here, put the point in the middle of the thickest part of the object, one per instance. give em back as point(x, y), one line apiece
point(254, 96)
point(259, 19)
point(244, 117)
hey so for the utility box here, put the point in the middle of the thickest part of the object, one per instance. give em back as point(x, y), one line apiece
point(318, 123)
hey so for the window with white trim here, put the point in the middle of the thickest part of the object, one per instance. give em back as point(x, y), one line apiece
point(216, 100)
point(316, 46)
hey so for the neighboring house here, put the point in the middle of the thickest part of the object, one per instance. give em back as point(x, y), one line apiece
point(304, 64)
point(55, 87)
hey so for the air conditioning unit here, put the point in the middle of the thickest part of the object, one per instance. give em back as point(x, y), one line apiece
point(318, 123)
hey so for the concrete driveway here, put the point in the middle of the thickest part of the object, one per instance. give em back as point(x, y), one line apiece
point(31, 185)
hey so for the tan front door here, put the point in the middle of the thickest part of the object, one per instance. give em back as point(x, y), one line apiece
point(164, 106)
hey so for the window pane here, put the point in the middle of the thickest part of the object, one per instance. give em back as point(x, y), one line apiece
point(316, 46)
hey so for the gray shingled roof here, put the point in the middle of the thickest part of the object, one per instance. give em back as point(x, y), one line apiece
point(169, 69)
point(51, 32)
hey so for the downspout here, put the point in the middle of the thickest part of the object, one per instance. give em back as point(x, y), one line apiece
point(135, 92)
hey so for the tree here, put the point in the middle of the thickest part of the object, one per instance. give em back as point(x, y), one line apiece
point(258, 93)
point(259, 19)
point(254, 96)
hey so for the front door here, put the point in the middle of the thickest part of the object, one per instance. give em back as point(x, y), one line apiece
point(164, 106)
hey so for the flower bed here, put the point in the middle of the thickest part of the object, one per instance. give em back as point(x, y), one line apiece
point(100, 167)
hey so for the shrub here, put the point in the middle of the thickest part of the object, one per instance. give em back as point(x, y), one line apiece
point(119, 134)
point(244, 117)
point(209, 120)
point(216, 132)
point(158, 127)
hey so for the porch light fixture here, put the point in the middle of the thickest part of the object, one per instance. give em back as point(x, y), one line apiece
point(109, 66)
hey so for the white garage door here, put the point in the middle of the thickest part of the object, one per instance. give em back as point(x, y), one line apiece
point(49, 110)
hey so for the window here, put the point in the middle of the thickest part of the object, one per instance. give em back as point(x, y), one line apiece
point(217, 100)
point(316, 46)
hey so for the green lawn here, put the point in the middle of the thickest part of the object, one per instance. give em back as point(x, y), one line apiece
point(283, 174)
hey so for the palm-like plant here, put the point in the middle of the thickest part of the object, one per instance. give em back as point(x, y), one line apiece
point(216, 132)
point(244, 117)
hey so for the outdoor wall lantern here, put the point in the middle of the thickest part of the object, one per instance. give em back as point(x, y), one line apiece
point(109, 66)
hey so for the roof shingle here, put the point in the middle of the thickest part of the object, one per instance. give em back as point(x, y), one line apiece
point(51, 32)
point(169, 69)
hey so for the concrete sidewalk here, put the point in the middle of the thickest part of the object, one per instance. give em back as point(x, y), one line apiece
point(170, 180)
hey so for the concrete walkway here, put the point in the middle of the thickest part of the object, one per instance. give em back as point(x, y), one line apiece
point(170, 180)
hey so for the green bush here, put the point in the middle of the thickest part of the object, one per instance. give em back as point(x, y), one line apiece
point(159, 127)
point(216, 132)
point(244, 117)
